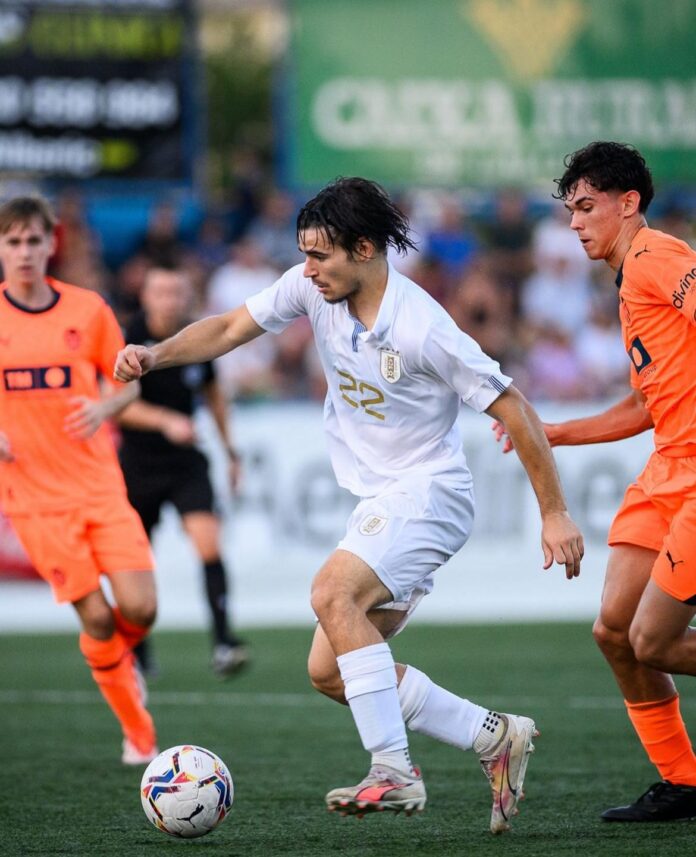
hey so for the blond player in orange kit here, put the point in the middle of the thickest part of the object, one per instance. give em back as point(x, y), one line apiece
point(649, 596)
point(60, 482)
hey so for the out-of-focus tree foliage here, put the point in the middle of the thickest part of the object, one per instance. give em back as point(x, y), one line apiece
point(238, 83)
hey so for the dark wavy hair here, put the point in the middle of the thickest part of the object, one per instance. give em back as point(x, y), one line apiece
point(607, 166)
point(349, 209)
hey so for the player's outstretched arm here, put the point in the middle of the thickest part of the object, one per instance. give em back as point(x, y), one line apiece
point(627, 418)
point(561, 539)
point(203, 340)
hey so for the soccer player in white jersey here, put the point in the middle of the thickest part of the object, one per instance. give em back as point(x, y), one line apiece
point(398, 370)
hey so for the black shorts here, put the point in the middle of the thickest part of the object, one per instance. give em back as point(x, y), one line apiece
point(181, 480)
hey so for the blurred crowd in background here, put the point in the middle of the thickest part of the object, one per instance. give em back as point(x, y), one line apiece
point(513, 277)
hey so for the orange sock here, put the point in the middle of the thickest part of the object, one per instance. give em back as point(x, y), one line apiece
point(112, 668)
point(131, 633)
point(663, 735)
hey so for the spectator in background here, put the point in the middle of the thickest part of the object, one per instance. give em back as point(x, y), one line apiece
point(248, 176)
point(78, 256)
point(295, 373)
point(273, 231)
point(411, 260)
point(600, 348)
point(161, 244)
point(508, 237)
point(431, 275)
point(127, 286)
point(452, 241)
point(481, 308)
point(559, 293)
point(553, 240)
point(675, 221)
point(554, 370)
point(247, 373)
point(211, 248)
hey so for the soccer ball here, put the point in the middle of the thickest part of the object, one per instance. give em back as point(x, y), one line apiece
point(186, 791)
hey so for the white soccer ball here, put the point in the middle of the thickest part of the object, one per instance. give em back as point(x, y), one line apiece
point(186, 791)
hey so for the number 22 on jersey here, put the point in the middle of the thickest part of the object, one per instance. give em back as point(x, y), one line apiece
point(367, 403)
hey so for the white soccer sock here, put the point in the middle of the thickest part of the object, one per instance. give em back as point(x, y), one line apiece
point(491, 732)
point(431, 710)
point(369, 677)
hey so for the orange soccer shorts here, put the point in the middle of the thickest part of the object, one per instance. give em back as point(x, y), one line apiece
point(71, 549)
point(659, 512)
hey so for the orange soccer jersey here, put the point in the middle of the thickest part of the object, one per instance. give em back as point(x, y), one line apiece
point(658, 316)
point(47, 358)
point(658, 319)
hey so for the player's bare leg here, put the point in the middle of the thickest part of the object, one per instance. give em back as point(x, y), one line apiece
point(136, 597)
point(651, 697)
point(321, 663)
point(135, 610)
point(628, 573)
point(660, 632)
point(95, 615)
point(343, 592)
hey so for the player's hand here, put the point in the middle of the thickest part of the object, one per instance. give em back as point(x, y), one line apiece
point(179, 429)
point(498, 430)
point(562, 543)
point(5, 448)
point(132, 362)
point(500, 433)
point(85, 418)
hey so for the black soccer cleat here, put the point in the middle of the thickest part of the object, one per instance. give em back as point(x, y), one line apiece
point(663, 801)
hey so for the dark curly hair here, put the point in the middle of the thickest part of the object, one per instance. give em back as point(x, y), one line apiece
point(607, 166)
point(349, 209)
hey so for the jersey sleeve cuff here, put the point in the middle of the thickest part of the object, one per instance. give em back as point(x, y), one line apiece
point(488, 392)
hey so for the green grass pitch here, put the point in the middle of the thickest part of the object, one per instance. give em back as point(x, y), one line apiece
point(65, 791)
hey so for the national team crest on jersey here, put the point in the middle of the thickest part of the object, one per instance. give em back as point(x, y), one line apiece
point(390, 365)
point(372, 524)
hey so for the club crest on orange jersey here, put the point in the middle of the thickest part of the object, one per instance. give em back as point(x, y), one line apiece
point(390, 365)
point(72, 338)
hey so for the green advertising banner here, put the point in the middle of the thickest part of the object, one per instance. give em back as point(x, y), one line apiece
point(487, 92)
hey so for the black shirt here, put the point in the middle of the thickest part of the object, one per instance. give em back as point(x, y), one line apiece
point(177, 388)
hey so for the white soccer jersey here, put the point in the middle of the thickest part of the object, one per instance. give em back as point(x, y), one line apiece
point(394, 392)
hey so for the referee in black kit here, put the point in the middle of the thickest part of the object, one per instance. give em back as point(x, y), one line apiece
point(161, 462)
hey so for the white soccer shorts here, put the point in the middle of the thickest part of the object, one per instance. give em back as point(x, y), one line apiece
point(407, 532)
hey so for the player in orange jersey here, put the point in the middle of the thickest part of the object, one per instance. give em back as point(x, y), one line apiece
point(60, 482)
point(649, 596)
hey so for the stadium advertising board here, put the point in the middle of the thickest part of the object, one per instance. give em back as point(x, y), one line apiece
point(96, 88)
point(291, 513)
point(487, 91)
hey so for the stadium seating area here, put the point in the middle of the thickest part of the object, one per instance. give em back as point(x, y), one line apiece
point(509, 271)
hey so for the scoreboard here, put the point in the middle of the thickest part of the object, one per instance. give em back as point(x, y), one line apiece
point(98, 89)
